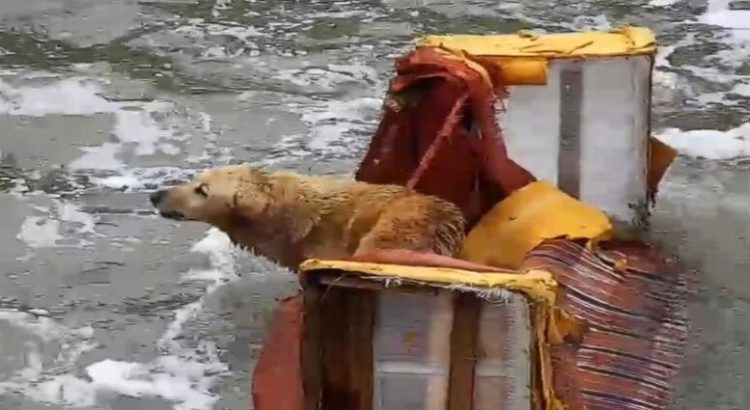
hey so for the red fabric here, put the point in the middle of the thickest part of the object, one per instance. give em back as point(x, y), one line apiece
point(277, 379)
point(425, 138)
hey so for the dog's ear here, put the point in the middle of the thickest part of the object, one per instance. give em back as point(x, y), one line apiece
point(250, 202)
point(219, 189)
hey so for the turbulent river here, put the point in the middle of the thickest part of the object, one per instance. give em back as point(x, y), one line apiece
point(105, 306)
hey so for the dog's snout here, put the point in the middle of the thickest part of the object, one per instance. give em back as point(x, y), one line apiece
point(157, 197)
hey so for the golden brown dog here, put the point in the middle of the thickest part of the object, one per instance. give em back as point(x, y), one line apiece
point(288, 217)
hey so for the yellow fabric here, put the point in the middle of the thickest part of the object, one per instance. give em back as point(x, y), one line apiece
point(515, 71)
point(543, 321)
point(461, 56)
point(525, 219)
point(524, 57)
point(521, 71)
point(537, 285)
point(626, 41)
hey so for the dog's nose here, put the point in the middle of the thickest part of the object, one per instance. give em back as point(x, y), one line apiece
point(157, 197)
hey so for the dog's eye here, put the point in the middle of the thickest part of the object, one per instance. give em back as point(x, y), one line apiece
point(202, 190)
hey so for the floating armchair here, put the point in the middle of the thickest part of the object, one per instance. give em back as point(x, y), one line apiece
point(544, 143)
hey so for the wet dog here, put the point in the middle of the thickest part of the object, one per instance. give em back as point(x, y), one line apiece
point(288, 217)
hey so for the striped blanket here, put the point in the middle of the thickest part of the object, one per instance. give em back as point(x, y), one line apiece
point(632, 301)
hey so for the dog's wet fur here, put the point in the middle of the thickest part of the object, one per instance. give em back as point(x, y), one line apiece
point(289, 217)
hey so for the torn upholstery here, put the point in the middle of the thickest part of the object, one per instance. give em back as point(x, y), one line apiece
point(438, 133)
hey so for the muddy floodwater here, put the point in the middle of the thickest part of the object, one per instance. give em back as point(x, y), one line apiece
point(105, 306)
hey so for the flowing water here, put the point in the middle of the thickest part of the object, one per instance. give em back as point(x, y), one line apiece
point(105, 306)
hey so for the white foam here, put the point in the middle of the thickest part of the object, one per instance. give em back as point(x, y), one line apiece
point(239, 32)
point(670, 82)
point(169, 149)
point(39, 232)
point(182, 375)
point(135, 122)
point(180, 381)
point(217, 246)
point(598, 22)
point(710, 144)
point(733, 31)
point(342, 14)
point(330, 125)
point(139, 127)
point(667, 84)
point(63, 389)
point(719, 14)
point(662, 56)
point(288, 148)
point(338, 126)
point(742, 89)
point(128, 179)
point(38, 325)
point(219, 6)
point(358, 71)
point(69, 212)
point(65, 221)
point(32, 381)
point(134, 125)
point(662, 3)
point(328, 78)
point(102, 157)
point(71, 96)
point(199, 30)
point(138, 178)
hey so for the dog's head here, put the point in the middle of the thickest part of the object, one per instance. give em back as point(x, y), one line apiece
point(215, 195)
